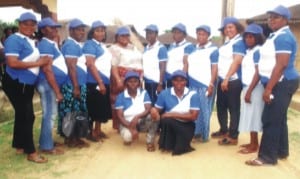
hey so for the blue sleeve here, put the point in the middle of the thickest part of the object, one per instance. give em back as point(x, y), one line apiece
point(71, 50)
point(46, 49)
point(12, 45)
point(160, 102)
point(189, 49)
point(195, 102)
point(162, 53)
point(119, 102)
point(239, 48)
point(88, 49)
point(214, 56)
point(256, 57)
point(283, 44)
point(147, 98)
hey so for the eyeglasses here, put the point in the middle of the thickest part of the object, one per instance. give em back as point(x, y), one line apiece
point(274, 16)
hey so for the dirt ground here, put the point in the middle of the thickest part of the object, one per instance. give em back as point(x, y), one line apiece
point(112, 160)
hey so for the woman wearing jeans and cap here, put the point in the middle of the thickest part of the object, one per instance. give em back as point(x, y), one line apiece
point(22, 67)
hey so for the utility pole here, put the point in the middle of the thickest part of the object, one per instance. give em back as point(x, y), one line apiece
point(227, 8)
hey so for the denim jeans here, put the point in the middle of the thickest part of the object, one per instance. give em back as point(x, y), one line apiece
point(49, 109)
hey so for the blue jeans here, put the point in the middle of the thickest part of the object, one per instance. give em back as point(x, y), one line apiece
point(49, 109)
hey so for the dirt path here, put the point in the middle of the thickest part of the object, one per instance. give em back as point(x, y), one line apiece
point(111, 159)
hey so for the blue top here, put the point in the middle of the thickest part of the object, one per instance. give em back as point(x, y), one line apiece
point(49, 48)
point(72, 49)
point(24, 49)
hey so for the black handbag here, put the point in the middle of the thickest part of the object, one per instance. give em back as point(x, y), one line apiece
point(76, 123)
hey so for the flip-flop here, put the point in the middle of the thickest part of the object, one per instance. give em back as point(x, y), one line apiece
point(257, 162)
point(37, 159)
point(150, 147)
point(247, 151)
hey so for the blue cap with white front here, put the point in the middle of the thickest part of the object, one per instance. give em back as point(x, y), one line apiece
point(27, 16)
point(76, 23)
point(122, 31)
point(47, 22)
point(179, 73)
point(152, 27)
point(180, 27)
point(281, 10)
point(203, 27)
point(96, 24)
point(131, 74)
point(254, 29)
point(228, 20)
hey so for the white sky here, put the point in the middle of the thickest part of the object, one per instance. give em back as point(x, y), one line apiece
point(164, 13)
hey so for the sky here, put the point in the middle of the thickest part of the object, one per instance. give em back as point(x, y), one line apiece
point(164, 13)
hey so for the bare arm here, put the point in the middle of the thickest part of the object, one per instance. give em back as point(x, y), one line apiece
point(252, 85)
point(189, 116)
point(71, 64)
point(282, 61)
point(14, 62)
point(214, 73)
point(162, 70)
point(237, 60)
point(90, 63)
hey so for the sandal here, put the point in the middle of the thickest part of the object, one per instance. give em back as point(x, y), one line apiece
point(102, 135)
point(92, 138)
point(37, 158)
point(150, 147)
point(247, 150)
point(54, 151)
point(19, 151)
point(228, 141)
point(218, 134)
point(256, 162)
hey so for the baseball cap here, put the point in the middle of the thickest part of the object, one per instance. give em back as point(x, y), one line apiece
point(228, 20)
point(254, 29)
point(96, 24)
point(131, 74)
point(76, 23)
point(180, 27)
point(47, 22)
point(152, 27)
point(179, 73)
point(122, 31)
point(281, 10)
point(204, 27)
point(27, 16)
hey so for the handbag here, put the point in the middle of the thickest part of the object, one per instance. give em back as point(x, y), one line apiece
point(76, 123)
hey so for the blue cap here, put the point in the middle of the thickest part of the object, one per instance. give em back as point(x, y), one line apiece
point(152, 27)
point(254, 29)
point(27, 16)
point(179, 73)
point(47, 22)
point(228, 20)
point(204, 27)
point(96, 24)
point(281, 10)
point(131, 74)
point(122, 31)
point(76, 23)
point(180, 27)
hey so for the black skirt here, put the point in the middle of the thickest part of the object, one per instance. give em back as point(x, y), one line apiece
point(99, 107)
point(176, 136)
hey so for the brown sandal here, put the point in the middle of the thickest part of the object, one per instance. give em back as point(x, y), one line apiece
point(37, 159)
point(150, 147)
point(54, 151)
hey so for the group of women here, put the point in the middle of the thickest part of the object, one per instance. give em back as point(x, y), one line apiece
point(88, 76)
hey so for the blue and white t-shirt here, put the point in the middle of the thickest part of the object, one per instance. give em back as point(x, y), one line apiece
point(24, 49)
point(152, 56)
point(168, 101)
point(103, 60)
point(200, 62)
point(175, 56)
point(132, 106)
point(49, 48)
point(73, 49)
point(280, 42)
point(234, 46)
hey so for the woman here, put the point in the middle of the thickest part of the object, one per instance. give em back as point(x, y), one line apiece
point(229, 84)
point(50, 79)
point(22, 67)
point(98, 62)
point(280, 78)
point(252, 103)
point(74, 89)
point(202, 67)
point(125, 57)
